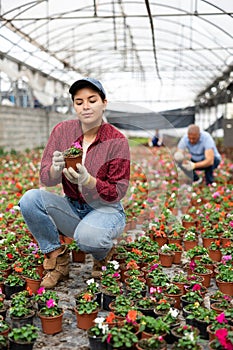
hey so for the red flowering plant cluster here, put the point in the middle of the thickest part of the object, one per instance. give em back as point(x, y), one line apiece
point(224, 339)
point(220, 322)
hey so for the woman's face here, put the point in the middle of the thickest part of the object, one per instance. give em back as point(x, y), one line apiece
point(89, 107)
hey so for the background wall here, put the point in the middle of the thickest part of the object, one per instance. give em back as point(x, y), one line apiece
point(22, 128)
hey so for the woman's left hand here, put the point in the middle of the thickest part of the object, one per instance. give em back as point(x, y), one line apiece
point(79, 177)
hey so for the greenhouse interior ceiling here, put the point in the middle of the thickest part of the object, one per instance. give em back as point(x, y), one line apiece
point(157, 54)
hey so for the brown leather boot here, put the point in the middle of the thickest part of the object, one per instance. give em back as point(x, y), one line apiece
point(57, 269)
point(97, 264)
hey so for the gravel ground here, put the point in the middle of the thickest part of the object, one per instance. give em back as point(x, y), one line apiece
point(72, 337)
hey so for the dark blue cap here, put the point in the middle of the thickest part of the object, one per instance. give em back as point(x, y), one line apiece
point(79, 84)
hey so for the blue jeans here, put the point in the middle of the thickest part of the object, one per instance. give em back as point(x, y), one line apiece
point(93, 226)
point(209, 178)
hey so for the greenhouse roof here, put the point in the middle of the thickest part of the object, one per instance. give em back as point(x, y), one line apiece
point(158, 54)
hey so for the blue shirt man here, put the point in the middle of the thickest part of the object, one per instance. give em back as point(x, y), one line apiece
point(203, 152)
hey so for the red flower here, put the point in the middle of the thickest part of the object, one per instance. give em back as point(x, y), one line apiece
point(196, 287)
point(221, 334)
point(110, 318)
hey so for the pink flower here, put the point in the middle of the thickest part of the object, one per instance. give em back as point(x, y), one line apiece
point(221, 318)
point(226, 258)
point(192, 265)
point(216, 194)
point(221, 334)
point(77, 145)
point(231, 223)
point(40, 291)
point(116, 275)
point(50, 303)
point(109, 338)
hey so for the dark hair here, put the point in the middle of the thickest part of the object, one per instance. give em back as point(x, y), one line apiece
point(84, 84)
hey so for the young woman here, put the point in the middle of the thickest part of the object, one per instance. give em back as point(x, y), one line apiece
point(90, 210)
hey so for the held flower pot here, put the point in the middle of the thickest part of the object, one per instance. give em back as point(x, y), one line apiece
point(71, 161)
point(51, 324)
point(85, 321)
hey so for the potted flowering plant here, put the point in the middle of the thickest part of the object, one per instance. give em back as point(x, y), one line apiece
point(13, 284)
point(153, 326)
point(77, 254)
point(73, 155)
point(43, 295)
point(189, 341)
point(155, 342)
point(166, 255)
point(121, 337)
point(4, 342)
point(224, 280)
point(86, 309)
point(24, 336)
point(219, 322)
point(94, 288)
point(146, 305)
point(191, 297)
point(4, 326)
point(96, 333)
point(179, 331)
point(223, 340)
point(180, 279)
point(51, 317)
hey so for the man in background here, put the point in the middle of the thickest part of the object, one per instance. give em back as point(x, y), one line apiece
point(203, 154)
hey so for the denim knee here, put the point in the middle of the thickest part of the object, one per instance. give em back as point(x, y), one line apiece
point(29, 199)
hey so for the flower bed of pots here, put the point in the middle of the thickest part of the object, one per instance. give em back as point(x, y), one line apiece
point(158, 221)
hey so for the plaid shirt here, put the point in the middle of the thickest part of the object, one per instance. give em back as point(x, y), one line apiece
point(107, 159)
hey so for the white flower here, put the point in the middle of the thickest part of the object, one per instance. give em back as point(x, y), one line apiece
point(90, 281)
point(16, 207)
point(116, 264)
point(174, 313)
point(165, 247)
point(99, 321)
point(190, 336)
point(104, 328)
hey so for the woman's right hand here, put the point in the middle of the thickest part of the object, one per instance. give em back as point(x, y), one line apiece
point(58, 163)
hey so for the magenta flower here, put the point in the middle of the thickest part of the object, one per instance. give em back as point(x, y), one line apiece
point(221, 334)
point(109, 338)
point(196, 287)
point(221, 318)
point(116, 275)
point(40, 291)
point(50, 303)
point(192, 265)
